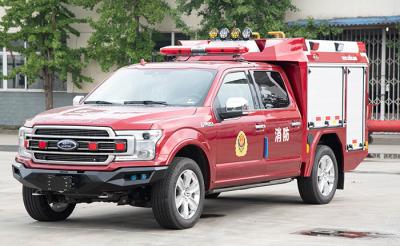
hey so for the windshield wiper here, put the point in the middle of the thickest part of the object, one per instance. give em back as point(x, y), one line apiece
point(146, 102)
point(97, 102)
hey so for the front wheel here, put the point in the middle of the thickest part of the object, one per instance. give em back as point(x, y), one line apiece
point(177, 200)
point(40, 208)
point(320, 187)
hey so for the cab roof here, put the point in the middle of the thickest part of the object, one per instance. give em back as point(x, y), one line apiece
point(271, 50)
point(214, 65)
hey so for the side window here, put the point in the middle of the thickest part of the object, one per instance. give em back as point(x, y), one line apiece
point(235, 85)
point(272, 89)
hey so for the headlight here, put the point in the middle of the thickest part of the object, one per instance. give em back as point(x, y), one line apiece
point(23, 143)
point(144, 145)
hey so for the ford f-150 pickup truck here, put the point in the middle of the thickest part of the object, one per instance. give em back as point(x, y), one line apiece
point(224, 114)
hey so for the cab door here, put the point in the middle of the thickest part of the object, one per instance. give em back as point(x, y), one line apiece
point(283, 135)
point(239, 140)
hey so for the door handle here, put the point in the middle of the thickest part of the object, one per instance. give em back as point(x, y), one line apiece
point(260, 126)
point(295, 123)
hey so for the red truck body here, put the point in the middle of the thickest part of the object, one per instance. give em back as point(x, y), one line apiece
point(198, 133)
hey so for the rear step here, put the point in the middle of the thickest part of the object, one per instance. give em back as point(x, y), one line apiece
point(243, 187)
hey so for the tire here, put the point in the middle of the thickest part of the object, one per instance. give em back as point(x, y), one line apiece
point(167, 193)
point(39, 208)
point(213, 195)
point(309, 188)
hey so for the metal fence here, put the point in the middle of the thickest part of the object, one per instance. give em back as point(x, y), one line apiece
point(384, 77)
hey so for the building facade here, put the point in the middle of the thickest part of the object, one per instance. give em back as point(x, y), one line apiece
point(371, 21)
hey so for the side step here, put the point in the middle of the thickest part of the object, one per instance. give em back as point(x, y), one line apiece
point(244, 187)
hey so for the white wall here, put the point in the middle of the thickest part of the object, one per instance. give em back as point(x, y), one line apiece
point(328, 9)
point(168, 25)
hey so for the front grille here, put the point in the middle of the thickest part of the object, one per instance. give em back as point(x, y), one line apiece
point(71, 158)
point(71, 132)
point(104, 145)
point(45, 145)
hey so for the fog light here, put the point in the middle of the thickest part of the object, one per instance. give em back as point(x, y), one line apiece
point(144, 154)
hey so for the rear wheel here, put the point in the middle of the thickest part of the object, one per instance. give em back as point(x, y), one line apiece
point(320, 187)
point(40, 208)
point(177, 200)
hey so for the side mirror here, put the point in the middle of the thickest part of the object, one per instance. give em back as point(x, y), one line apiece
point(235, 107)
point(77, 100)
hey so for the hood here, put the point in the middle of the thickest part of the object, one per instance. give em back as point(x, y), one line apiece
point(117, 117)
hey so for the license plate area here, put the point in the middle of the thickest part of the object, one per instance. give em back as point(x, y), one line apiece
point(60, 183)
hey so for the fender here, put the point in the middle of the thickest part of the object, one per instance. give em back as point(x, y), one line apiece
point(317, 134)
point(181, 138)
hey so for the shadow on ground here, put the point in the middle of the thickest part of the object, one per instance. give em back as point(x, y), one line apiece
point(142, 218)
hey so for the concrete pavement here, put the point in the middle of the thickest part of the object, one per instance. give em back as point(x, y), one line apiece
point(263, 216)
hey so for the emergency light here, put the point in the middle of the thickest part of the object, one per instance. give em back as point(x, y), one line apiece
point(234, 34)
point(187, 51)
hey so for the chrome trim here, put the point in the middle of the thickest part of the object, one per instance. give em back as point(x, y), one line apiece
point(295, 123)
point(70, 153)
point(68, 136)
point(108, 161)
point(244, 187)
point(109, 130)
point(260, 127)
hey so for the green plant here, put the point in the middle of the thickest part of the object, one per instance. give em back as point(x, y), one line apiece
point(123, 32)
point(44, 26)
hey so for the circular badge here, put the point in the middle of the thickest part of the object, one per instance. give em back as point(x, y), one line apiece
point(241, 144)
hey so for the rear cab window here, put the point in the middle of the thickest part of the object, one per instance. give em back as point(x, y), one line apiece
point(272, 90)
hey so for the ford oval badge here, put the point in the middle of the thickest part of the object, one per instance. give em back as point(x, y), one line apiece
point(67, 145)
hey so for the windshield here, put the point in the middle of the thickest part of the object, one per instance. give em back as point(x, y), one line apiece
point(176, 87)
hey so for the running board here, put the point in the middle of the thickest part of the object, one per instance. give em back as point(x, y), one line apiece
point(244, 187)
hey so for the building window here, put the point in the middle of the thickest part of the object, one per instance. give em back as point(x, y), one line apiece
point(11, 60)
point(162, 39)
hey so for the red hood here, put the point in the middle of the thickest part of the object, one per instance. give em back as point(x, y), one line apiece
point(117, 117)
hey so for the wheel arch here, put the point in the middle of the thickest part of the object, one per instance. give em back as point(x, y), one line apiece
point(197, 154)
point(333, 141)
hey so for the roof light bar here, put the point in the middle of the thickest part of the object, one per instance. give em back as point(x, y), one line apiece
point(186, 51)
point(175, 50)
point(227, 50)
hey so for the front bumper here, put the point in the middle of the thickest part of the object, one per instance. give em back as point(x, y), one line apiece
point(87, 182)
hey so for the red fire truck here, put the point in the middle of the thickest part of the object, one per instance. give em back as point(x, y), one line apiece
point(233, 112)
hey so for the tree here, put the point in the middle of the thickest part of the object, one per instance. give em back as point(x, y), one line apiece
point(123, 32)
point(312, 30)
point(44, 26)
point(260, 15)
